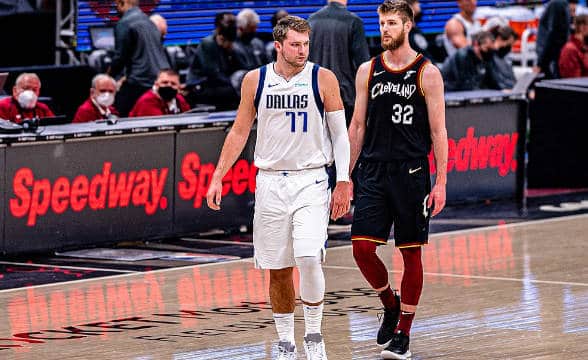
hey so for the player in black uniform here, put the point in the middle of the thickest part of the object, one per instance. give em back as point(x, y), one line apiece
point(399, 114)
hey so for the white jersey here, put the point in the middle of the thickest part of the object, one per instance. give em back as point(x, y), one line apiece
point(470, 29)
point(292, 132)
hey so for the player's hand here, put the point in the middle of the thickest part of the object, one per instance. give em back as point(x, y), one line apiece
point(341, 199)
point(437, 197)
point(214, 193)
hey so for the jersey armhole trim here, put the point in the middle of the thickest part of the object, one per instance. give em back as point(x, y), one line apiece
point(371, 75)
point(315, 90)
point(420, 74)
point(262, 72)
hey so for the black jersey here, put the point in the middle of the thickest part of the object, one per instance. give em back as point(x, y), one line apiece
point(397, 120)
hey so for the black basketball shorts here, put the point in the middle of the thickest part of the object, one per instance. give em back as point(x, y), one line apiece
point(392, 193)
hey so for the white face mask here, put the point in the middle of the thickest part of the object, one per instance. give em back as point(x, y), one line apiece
point(27, 99)
point(105, 99)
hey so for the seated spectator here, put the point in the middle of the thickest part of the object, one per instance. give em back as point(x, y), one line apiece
point(251, 48)
point(99, 104)
point(24, 104)
point(160, 24)
point(573, 61)
point(501, 73)
point(467, 69)
point(214, 62)
point(163, 98)
point(175, 55)
point(461, 27)
point(270, 48)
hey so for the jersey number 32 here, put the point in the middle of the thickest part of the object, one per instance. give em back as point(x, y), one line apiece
point(402, 115)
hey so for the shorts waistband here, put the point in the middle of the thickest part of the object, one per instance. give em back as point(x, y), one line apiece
point(292, 172)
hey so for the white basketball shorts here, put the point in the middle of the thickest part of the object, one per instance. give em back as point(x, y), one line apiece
point(291, 216)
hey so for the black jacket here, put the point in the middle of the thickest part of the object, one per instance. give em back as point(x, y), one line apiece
point(138, 49)
point(552, 34)
point(337, 42)
point(465, 71)
point(213, 65)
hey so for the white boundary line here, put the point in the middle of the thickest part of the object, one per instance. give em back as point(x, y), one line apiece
point(115, 277)
point(471, 276)
point(509, 225)
point(64, 267)
point(221, 242)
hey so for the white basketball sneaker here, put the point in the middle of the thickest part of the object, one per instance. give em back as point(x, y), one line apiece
point(315, 347)
point(286, 351)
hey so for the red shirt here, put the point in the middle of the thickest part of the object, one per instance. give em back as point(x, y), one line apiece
point(573, 61)
point(88, 111)
point(150, 104)
point(10, 110)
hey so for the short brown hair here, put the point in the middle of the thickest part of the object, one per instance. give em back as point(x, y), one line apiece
point(168, 72)
point(401, 7)
point(290, 22)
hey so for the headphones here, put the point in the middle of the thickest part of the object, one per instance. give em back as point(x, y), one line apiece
point(30, 125)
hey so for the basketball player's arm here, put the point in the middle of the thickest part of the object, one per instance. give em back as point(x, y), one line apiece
point(456, 33)
point(335, 115)
point(236, 139)
point(432, 84)
point(357, 126)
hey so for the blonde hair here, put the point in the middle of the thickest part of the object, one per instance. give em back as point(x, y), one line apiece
point(400, 7)
point(287, 23)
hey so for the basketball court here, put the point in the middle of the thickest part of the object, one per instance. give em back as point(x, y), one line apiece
point(509, 291)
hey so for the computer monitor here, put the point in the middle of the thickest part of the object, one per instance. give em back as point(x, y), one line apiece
point(3, 77)
point(102, 37)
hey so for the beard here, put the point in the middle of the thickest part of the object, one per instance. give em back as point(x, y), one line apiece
point(294, 62)
point(395, 42)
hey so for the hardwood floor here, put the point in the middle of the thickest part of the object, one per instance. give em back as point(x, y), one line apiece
point(515, 291)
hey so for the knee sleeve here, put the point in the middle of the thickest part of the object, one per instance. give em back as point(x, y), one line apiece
point(370, 265)
point(312, 279)
point(412, 278)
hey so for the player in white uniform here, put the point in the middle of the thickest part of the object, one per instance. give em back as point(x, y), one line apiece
point(300, 130)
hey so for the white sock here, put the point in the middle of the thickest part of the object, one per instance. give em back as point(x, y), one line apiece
point(313, 317)
point(285, 326)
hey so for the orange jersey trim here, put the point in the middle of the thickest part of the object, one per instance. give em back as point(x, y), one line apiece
point(420, 75)
point(388, 68)
point(369, 238)
point(373, 64)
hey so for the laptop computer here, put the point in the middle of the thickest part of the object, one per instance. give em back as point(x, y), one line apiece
point(102, 37)
point(524, 82)
point(54, 120)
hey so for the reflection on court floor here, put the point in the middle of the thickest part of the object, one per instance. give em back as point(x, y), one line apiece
point(505, 292)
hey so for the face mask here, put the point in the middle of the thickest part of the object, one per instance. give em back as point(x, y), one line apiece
point(27, 99)
point(503, 51)
point(486, 55)
point(247, 37)
point(167, 93)
point(229, 32)
point(105, 99)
